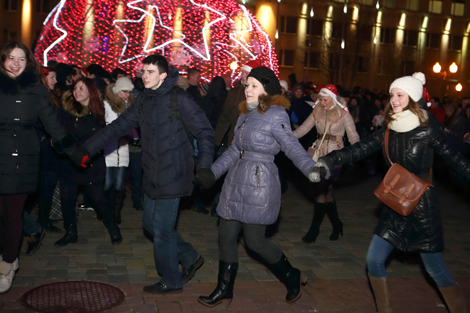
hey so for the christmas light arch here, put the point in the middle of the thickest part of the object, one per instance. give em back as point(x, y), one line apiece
point(207, 34)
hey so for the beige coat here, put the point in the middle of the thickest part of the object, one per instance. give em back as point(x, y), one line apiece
point(339, 122)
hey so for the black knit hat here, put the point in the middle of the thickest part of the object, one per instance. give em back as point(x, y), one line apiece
point(268, 79)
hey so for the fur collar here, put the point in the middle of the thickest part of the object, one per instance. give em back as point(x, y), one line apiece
point(333, 115)
point(265, 102)
point(12, 86)
point(117, 104)
point(71, 106)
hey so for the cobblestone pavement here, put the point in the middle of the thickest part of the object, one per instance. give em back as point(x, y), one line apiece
point(336, 269)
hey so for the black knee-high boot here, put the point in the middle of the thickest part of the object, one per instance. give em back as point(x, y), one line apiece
point(223, 293)
point(291, 277)
point(319, 211)
point(332, 213)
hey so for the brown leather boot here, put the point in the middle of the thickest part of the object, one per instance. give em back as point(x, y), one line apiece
point(454, 299)
point(381, 291)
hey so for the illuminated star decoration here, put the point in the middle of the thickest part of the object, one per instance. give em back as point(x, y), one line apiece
point(206, 34)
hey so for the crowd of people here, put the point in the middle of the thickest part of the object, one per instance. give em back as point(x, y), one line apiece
point(169, 137)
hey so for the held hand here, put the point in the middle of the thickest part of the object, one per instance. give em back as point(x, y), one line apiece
point(204, 177)
point(322, 164)
point(315, 175)
point(80, 156)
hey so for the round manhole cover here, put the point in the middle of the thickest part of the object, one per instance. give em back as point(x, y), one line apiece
point(73, 296)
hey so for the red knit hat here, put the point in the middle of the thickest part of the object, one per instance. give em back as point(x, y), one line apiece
point(331, 91)
point(251, 65)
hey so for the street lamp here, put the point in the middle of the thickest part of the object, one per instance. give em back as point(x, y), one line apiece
point(458, 87)
point(453, 68)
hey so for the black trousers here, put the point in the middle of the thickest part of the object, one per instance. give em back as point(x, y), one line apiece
point(68, 198)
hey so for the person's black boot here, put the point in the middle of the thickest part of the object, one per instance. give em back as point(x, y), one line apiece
point(44, 211)
point(119, 196)
point(291, 277)
point(114, 232)
point(319, 211)
point(332, 214)
point(223, 293)
point(70, 236)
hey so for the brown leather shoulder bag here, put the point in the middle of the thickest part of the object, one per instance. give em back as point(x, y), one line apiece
point(400, 189)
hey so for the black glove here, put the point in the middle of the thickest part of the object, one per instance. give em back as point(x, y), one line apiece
point(204, 177)
point(80, 156)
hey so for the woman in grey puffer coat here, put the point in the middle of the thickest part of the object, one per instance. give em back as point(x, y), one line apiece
point(251, 194)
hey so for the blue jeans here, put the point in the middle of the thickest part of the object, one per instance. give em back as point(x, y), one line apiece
point(169, 249)
point(380, 249)
point(115, 178)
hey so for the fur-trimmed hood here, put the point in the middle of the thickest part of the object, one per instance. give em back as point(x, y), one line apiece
point(265, 102)
point(71, 106)
point(12, 86)
point(333, 115)
point(117, 104)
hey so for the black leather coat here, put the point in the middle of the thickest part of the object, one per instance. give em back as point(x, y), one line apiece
point(422, 230)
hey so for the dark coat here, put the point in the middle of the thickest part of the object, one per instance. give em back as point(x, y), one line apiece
point(229, 116)
point(82, 125)
point(422, 230)
point(24, 102)
point(167, 158)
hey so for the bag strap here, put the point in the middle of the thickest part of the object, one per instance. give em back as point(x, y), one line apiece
point(324, 135)
point(387, 134)
point(175, 110)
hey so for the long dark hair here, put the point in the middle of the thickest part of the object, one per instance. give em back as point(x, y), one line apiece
point(30, 60)
point(95, 106)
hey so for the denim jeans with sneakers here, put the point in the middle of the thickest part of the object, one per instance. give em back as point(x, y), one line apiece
point(169, 249)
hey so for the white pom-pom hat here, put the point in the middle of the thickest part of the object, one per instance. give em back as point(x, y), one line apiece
point(412, 85)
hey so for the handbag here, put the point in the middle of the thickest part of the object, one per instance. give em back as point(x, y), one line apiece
point(314, 150)
point(400, 189)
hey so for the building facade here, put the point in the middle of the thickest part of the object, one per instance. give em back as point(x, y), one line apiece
point(371, 42)
point(348, 42)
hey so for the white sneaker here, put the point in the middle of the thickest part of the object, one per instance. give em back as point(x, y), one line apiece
point(7, 280)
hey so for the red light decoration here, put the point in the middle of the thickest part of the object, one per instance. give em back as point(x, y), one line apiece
point(206, 34)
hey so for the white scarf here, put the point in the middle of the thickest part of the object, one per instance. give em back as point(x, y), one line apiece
point(252, 106)
point(405, 121)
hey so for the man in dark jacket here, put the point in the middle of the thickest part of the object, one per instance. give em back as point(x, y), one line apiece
point(230, 112)
point(168, 165)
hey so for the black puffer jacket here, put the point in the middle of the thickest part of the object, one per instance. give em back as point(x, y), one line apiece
point(422, 230)
point(24, 102)
point(82, 125)
point(167, 153)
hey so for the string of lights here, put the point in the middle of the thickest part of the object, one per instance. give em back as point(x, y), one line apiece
point(216, 36)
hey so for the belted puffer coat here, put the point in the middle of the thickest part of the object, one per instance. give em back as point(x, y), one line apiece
point(422, 230)
point(252, 192)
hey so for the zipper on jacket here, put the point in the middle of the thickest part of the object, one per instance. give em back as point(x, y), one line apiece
point(236, 167)
point(257, 176)
point(285, 129)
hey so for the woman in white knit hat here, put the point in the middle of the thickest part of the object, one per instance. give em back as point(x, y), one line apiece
point(332, 120)
point(413, 139)
point(118, 97)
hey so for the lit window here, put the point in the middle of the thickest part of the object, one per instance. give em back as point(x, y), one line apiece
point(392, 4)
point(435, 6)
point(412, 5)
point(367, 2)
point(458, 7)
